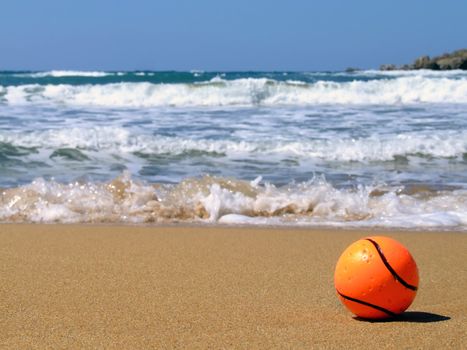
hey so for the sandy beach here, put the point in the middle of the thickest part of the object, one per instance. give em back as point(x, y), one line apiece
point(66, 286)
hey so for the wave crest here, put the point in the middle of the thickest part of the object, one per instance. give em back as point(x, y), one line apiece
point(65, 73)
point(245, 92)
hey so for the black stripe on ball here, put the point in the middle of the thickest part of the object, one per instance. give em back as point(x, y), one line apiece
point(389, 267)
point(379, 308)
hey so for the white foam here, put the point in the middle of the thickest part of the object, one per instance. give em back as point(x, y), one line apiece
point(247, 92)
point(65, 73)
point(438, 144)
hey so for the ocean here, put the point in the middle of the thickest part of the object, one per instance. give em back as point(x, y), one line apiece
point(341, 149)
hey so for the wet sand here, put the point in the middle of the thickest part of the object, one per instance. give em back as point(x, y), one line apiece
point(80, 286)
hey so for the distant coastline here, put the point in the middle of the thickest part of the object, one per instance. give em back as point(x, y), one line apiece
point(447, 61)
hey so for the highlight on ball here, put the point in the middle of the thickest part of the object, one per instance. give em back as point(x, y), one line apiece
point(376, 278)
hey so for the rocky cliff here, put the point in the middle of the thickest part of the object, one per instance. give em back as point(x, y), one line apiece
point(448, 61)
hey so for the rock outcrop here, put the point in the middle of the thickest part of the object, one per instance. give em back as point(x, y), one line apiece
point(448, 61)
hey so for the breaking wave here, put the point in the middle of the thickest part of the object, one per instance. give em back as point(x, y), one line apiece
point(244, 92)
point(65, 73)
point(222, 200)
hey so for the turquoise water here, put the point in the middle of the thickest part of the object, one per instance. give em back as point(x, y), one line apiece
point(398, 139)
point(168, 77)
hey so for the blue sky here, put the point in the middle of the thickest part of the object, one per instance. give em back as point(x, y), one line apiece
point(225, 35)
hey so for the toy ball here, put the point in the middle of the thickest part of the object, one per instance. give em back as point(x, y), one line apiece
point(376, 278)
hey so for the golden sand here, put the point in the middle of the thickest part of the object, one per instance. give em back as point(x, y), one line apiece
point(123, 287)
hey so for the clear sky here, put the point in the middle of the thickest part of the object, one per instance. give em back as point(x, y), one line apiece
point(225, 34)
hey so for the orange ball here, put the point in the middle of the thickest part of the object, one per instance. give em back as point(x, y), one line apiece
point(376, 278)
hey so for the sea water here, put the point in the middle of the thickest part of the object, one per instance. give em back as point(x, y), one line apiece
point(365, 148)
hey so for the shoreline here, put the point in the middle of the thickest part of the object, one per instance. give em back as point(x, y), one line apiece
point(248, 226)
point(92, 286)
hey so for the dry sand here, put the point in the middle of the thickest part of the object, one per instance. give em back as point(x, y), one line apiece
point(65, 286)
